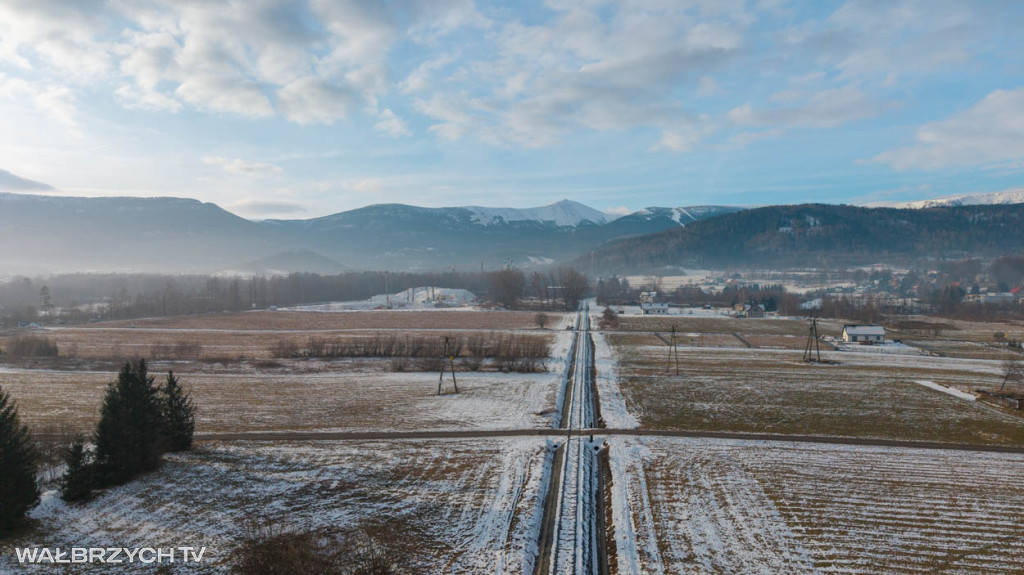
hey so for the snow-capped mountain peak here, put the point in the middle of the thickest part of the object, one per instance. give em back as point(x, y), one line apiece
point(1014, 196)
point(563, 213)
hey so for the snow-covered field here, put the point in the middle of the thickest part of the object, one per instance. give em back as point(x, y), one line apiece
point(329, 400)
point(721, 506)
point(453, 506)
point(773, 391)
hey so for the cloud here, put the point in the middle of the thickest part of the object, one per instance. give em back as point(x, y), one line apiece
point(741, 140)
point(617, 211)
point(990, 131)
point(419, 79)
point(226, 95)
point(825, 109)
point(13, 183)
point(364, 185)
point(312, 100)
point(684, 138)
point(54, 101)
point(390, 124)
point(242, 167)
point(266, 207)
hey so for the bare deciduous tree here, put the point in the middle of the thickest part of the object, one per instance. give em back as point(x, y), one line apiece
point(542, 319)
point(1013, 370)
point(574, 286)
point(506, 286)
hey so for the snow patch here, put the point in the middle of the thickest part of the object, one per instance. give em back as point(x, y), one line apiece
point(416, 298)
point(563, 213)
point(944, 389)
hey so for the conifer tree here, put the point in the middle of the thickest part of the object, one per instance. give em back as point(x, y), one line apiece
point(77, 482)
point(179, 415)
point(129, 433)
point(19, 491)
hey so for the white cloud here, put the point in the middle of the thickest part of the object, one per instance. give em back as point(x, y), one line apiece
point(990, 131)
point(263, 208)
point(684, 138)
point(242, 167)
point(419, 79)
point(390, 124)
point(54, 101)
point(313, 100)
point(825, 109)
point(741, 140)
point(226, 95)
point(618, 211)
point(364, 185)
point(137, 99)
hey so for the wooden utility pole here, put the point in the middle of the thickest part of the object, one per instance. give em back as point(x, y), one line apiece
point(812, 351)
point(448, 359)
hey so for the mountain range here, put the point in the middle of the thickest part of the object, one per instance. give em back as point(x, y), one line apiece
point(54, 233)
point(48, 234)
point(820, 236)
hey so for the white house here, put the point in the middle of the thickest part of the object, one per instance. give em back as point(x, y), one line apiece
point(867, 334)
point(654, 308)
point(648, 297)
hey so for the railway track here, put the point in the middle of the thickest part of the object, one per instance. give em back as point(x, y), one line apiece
point(573, 522)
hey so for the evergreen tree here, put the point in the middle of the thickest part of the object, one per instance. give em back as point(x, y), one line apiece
point(77, 482)
point(129, 433)
point(18, 489)
point(179, 415)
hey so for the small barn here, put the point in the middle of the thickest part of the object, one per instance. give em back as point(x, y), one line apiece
point(654, 308)
point(865, 334)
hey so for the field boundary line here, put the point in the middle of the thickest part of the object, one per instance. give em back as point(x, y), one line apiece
point(562, 433)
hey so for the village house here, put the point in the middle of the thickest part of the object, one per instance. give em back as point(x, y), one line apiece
point(749, 310)
point(648, 297)
point(863, 334)
point(654, 308)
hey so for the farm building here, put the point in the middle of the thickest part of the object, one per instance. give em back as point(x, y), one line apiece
point(648, 297)
point(868, 334)
point(654, 308)
point(753, 310)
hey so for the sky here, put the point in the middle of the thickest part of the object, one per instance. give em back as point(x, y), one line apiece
point(297, 109)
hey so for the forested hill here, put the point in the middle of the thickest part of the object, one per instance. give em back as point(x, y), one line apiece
point(813, 234)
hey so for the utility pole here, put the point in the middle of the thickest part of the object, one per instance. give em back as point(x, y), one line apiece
point(812, 351)
point(448, 358)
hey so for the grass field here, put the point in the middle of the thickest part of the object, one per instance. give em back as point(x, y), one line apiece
point(773, 391)
point(330, 400)
point(106, 343)
point(708, 325)
point(307, 321)
point(722, 506)
point(460, 506)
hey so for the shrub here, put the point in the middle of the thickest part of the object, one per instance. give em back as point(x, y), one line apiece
point(30, 346)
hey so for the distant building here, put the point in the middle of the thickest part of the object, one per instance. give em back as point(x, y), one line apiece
point(654, 308)
point(753, 310)
point(648, 297)
point(867, 334)
point(998, 298)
